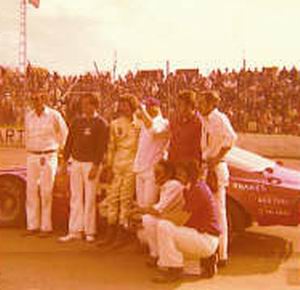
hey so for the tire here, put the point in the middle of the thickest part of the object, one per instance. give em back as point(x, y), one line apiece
point(12, 201)
point(236, 220)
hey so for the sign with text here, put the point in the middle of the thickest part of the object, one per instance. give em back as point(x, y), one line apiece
point(12, 137)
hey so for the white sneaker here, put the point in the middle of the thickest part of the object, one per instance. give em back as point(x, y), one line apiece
point(70, 237)
point(90, 238)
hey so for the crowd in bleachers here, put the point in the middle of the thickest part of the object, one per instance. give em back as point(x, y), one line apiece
point(256, 101)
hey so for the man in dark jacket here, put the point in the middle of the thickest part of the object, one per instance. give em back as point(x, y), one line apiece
point(86, 145)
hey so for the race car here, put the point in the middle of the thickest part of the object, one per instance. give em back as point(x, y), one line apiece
point(260, 190)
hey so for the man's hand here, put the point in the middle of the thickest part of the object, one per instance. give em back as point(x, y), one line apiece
point(64, 167)
point(138, 113)
point(93, 172)
point(212, 162)
point(135, 221)
point(106, 174)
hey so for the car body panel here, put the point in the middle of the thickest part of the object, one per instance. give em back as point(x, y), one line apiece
point(265, 191)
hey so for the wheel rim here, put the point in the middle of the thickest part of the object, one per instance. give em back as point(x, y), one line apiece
point(10, 201)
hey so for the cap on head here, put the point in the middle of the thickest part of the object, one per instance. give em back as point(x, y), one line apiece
point(151, 102)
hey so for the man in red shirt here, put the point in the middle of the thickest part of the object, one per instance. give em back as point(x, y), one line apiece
point(185, 127)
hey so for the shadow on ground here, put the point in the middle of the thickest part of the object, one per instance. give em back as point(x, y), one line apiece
point(80, 265)
point(254, 253)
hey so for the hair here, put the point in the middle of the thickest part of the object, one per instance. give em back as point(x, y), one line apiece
point(92, 99)
point(191, 167)
point(211, 96)
point(188, 96)
point(131, 100)
point(42, 95)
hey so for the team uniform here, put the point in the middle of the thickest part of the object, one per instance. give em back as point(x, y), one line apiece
point(217, 134)
point(121, 153)
point(44, 135)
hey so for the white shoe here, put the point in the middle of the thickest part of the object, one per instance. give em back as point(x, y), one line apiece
point(90, 238)
point(70, 237)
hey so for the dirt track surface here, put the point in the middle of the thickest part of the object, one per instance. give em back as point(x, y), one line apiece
point(259, 260)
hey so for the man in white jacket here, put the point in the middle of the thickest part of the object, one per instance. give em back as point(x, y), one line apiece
point(45, 133)
point(153, 140)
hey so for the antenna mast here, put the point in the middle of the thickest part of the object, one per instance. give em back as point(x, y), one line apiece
point(23, 37)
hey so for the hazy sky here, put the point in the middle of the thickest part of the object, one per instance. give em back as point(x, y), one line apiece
point(145, 33)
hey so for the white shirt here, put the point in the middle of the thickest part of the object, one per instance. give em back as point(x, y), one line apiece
point(171, 196)
point(217, 133)
point(45, 132)
point(152, 144)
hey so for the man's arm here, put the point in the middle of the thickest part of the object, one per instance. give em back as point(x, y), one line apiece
point(229, 139)
point(69, 143)
point(61, 129)
point(158, 126)
point(144, 116)
point(102, 135)
point(171, 197)
point(221, 155)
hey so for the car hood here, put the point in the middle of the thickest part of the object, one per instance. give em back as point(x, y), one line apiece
point(20, 171)
point(252, 165)
point(288, 177)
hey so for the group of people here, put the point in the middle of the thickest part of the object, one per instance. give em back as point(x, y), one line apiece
point(166, 176)
point(256, 100)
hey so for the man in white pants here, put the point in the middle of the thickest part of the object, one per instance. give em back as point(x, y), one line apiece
point(86, 145)
point(218, 137)
point(191, 232)
point(170, 199)
point(45, 133)
point(153, 140)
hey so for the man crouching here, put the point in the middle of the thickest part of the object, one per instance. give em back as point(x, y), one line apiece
point(191, 230)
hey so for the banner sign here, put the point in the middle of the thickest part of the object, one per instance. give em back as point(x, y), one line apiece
point(12, 137)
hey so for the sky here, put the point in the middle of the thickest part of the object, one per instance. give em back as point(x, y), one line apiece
point(69, 36)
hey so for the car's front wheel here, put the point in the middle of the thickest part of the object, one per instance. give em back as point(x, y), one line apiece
point(236, 220)
point(12, 201)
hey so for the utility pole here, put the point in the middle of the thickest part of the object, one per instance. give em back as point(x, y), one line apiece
point(23, 37)
point(115, 63)
point(244, 60)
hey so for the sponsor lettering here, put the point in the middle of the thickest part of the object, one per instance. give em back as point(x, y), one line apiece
point(12, 137)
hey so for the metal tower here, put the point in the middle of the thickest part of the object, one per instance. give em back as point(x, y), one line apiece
point(23, 37)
